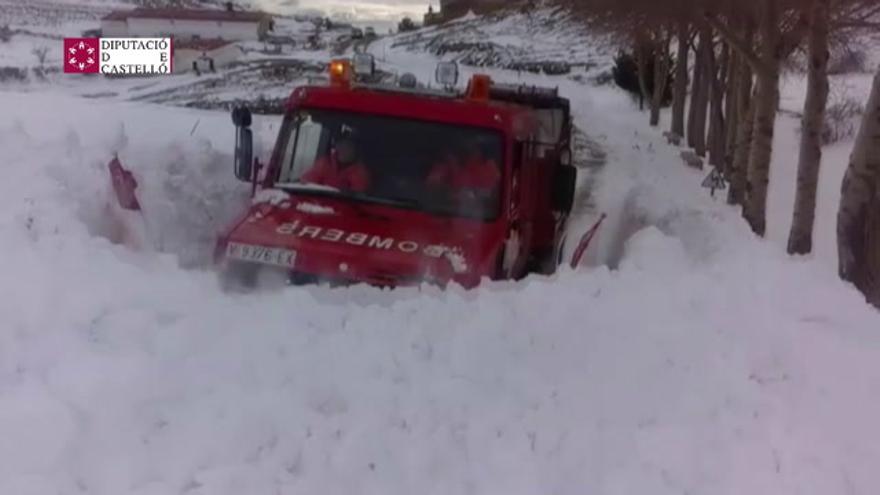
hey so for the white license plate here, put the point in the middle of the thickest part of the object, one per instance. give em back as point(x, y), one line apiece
point(261, 254)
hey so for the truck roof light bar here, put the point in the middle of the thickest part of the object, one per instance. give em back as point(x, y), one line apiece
point(479, 87)
point(525, 90)
point(540, 97)
point(340, 73)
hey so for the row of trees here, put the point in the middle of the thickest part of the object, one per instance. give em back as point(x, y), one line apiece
point(726, 59)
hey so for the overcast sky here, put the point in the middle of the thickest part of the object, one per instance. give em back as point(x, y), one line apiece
point(360, 9)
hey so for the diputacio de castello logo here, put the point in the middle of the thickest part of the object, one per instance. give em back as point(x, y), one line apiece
point(81, 55)
point(119, 56)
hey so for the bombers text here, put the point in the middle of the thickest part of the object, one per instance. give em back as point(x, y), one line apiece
point(360, 239)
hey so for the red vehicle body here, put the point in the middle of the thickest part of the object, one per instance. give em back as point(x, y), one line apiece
point(312, 234)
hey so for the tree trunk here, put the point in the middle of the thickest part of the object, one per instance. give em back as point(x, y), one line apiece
point(743, 148)
point(740, 128)
point(700, 97)
point(716, 112)
point(766, 106)
point(800, 239)
point(661, 78)
point(731, 106)
point(642, 67)
point(679, 92)
point(858, 219)
point(693, 105)
point(766, 102)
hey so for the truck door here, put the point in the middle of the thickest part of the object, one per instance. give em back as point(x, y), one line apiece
point(521, 214)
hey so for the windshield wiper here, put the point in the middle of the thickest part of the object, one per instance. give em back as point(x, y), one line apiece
point(332, 192)
point(360, 198)
point(307, 187)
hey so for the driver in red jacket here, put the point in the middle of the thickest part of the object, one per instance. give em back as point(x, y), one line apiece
point(473, 171)
point(341, 169)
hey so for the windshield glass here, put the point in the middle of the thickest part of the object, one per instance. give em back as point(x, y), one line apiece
point(431, 167)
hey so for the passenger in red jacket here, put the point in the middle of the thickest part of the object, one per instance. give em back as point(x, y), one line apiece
point(341, 169)
point(473, 171)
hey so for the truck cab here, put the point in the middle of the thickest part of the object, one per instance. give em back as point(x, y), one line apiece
point(393, 184)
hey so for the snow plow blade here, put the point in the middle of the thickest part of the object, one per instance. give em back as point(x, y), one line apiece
point(585, 241)
point(124, 185)
point(128, 225)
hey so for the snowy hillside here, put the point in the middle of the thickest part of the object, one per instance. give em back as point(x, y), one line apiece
point(262, 76)
point(513, 40)
point(70, 14)
point(686, 356)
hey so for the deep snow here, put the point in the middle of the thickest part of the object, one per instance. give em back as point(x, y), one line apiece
point(708, 361)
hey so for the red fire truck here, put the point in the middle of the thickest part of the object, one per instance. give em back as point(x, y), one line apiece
point(399, 184)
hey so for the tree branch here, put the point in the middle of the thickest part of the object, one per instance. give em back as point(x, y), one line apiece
point(791, 39)
point(738, 44)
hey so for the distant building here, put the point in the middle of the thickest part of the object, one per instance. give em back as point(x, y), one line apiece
point(432, 18)
point(450, 9)
point(187, 24)
point(204, 55)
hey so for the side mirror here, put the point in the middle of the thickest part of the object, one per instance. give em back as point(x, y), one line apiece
point(244, 154)
point(241, 117)
point(564, 184)
point(244, 144)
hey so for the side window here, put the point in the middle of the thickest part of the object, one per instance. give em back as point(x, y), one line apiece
point(308, 140)
point(301, 149)
point(287, 158)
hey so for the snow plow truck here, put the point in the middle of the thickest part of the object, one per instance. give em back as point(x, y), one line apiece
point(398, 184)
point(395, 184)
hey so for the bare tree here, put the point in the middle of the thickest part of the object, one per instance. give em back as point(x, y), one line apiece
point(679, 90)
point(696, 128)
point(647, 29)
point(858, 219)
point(661, 74)
point(827, 19)
point(717, 117)
point(800, 239)
point(780, 30)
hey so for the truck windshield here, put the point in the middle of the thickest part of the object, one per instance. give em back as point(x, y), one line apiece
point(436, 168)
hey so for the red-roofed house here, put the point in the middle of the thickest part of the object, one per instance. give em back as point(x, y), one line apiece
point(187, 24)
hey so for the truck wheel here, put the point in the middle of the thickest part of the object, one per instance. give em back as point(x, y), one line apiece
point(239, 277)
point(545, 261)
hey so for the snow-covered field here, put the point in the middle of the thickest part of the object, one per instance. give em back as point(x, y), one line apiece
point(706, 362)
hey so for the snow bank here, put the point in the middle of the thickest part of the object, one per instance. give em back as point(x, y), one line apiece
point(181, 159)
point(708, 362)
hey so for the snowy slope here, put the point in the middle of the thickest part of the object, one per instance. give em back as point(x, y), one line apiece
point(511, 39)
point(42, 24)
